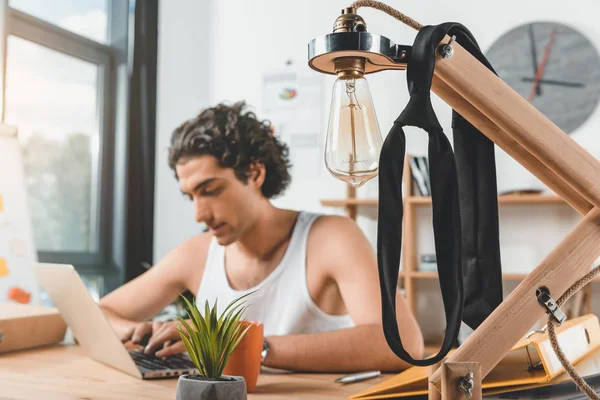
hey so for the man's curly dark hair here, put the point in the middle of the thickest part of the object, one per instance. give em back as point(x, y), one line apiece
point(237, 139)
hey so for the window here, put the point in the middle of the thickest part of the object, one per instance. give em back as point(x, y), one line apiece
point(84, 17)
point(59, 130)
point(60, 88)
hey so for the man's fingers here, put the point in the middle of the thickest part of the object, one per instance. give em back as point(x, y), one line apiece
point(161, 337)
point(160, 332)
point(125, 334)
point(156, 325)
point(140, 331)
point(175, 348)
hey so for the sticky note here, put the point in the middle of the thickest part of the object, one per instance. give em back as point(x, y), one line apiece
point(19, 295)
point(3, 267)
point(1, 204)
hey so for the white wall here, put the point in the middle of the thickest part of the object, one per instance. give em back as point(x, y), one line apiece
point(248, 38)
point(182, 91)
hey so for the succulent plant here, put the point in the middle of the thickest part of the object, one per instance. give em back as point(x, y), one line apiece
point(211, 339)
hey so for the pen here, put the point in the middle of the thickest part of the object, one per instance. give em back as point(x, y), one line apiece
point(358, 377)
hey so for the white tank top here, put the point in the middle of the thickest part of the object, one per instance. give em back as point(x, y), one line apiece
point(282, 301)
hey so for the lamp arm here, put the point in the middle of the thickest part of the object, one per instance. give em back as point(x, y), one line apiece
point(556, 159)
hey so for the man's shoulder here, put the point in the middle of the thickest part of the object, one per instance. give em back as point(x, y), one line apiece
point(191, 250)
point(337, 245)
point(331, 235)
point(197, 243)
point(336, 225)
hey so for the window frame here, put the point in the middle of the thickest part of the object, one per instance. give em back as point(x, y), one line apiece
point(53, 37)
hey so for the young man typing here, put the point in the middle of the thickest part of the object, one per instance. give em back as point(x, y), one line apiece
point(315, 277)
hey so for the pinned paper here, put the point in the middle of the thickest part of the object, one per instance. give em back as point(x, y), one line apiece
point(3, 267)
point(19, 295)
point(18, 247)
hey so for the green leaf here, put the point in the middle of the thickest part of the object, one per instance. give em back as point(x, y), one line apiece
point(207, 316)
point(231, 326)
point(194, 314)
point(213, 319)
point(241, 336)
point(191, 350)
point(230, 322)
point(226, 339)
point(232, 345)
point(193, 342)
point(229, 346)
point(234, 303)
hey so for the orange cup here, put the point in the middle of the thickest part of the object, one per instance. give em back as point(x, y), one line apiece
point(245, 359)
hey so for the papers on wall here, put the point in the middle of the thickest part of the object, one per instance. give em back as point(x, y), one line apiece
point(292, 101)
point(17, 251)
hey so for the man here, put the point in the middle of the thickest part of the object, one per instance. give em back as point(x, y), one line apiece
point(314, 278)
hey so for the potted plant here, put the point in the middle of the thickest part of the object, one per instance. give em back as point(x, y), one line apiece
point(210, 340)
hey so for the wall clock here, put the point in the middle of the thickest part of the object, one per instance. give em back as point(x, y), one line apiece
point(553, 66)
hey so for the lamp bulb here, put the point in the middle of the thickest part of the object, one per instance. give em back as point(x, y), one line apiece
point(353, 137)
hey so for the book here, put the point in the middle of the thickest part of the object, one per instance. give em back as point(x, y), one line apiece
point(419, 170)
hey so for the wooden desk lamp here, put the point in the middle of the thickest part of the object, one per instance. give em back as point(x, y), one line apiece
point(515, 125)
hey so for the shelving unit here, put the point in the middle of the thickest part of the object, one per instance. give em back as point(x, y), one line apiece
point(410, 274)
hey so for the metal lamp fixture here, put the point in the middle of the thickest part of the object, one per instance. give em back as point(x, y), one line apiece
point(350, 52)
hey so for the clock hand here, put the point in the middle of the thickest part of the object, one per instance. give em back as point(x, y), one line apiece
point(554, 82)
point(534, 56)
point(540, 70)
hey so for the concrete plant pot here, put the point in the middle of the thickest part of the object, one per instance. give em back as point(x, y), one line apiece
point(196, 387)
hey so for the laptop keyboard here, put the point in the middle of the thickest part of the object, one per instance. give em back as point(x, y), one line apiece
point(153, 363)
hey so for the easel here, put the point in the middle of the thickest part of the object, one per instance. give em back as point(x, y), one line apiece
point(535, 142)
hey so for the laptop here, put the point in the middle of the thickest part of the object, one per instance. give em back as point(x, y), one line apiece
point(94, 332)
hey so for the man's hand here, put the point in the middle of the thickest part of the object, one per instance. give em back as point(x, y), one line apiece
point(136, 333)
point(168, 337)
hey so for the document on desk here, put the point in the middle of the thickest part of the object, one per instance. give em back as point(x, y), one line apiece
point(530, 363)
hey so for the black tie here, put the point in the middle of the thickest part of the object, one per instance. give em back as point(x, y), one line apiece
point(464, 203)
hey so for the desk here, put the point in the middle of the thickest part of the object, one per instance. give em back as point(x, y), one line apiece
point(64, 372)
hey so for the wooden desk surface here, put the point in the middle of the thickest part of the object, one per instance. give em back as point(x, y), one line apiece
point(64, 372)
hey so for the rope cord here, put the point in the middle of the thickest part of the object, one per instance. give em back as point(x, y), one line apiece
point(579, 381)
point(389, 10)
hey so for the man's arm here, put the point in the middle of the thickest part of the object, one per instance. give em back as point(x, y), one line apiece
point(338, 247)
point(149, 293)
point(362, 348)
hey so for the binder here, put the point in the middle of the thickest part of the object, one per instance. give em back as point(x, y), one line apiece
point(530, 362)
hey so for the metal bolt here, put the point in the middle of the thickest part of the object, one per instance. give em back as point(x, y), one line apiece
point(446, 51)
point(465, 385)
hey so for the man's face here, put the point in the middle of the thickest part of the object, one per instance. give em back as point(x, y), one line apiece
point(221, 200)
